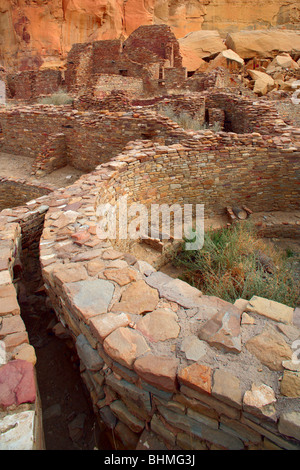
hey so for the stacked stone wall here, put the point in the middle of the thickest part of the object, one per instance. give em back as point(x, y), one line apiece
point(174, 77)
point(17, 192)
point(94, 137)
point(53, 155)
point(107, 83)
point(91, 138)
point(134, 333)
point(144, 341)
point(29, 85)
point(20, 406)
point(244, 115)
point(215, 169)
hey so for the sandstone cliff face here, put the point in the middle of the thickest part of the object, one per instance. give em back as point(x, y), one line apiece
point(36, 33)
point(236, 15)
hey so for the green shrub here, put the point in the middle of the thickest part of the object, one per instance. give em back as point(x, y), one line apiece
point(235, 263)
point(57, 99)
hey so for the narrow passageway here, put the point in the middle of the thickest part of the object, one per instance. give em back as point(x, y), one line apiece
point(68, 418)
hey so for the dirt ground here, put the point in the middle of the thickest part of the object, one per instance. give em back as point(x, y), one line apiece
point(18, 167)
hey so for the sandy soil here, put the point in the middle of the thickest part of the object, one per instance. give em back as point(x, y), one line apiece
point(19, 167)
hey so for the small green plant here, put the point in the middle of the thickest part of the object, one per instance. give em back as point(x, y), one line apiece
point(57, 99)
point(289, 253)
point(235, 263)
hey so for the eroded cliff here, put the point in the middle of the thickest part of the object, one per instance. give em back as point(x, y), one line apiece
point(36, 33)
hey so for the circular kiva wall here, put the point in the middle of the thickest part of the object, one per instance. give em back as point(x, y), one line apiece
point(214, 169)
point(159, 357)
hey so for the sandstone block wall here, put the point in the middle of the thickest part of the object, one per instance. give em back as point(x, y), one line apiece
point(217, 170)
point(106, 83)
point(53, 155)
point(20, 407)
point(16, 192)
point(192, 105)
point(25, 130)
point(144, 55)
point(159, 40)
point(29, 85)
point(90, 138)
point(243, 115)
point(134, 334)
point(174, 77)
point(147, 356)
point(94, 137)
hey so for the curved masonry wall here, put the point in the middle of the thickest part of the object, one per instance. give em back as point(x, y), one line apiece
point(158, 357)
point(215, 169)
point(15, 192)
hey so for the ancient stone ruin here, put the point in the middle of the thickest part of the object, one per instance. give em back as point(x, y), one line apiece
point(165, 366)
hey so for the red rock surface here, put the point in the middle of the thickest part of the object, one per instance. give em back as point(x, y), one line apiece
point(17, 383)
point(35, 33)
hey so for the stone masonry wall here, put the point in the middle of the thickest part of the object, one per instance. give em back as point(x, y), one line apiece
point(151, 357)
point(144, 55)
point(191, 105)
point(20, 408)
point(94, 137)
point(215, 169)
point(106, 83)
point(91, 137)
point(28, 85)
point(16, 192)
point(243, 115)
point(26, 129)
point(52, 156)
point(157, 356)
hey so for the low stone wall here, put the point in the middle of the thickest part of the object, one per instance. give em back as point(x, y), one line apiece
point(243, 115)
point(28, 85)
point(91, 137)
point(25, 129)
point(16, 192)
point(214, 169)
point(20, 408)
point(192, 105)
point(53, 155)
point(158, 357)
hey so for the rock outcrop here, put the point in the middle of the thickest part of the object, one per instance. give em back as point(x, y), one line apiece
point(232, 16)
point(249, 44)
point(204, 44)
point(35, 33)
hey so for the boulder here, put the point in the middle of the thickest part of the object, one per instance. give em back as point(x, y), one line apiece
point(227, 59)
point(283, 61)
point(191, 61)
point(263, 82)
point(199, 45)
point(268, 43)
